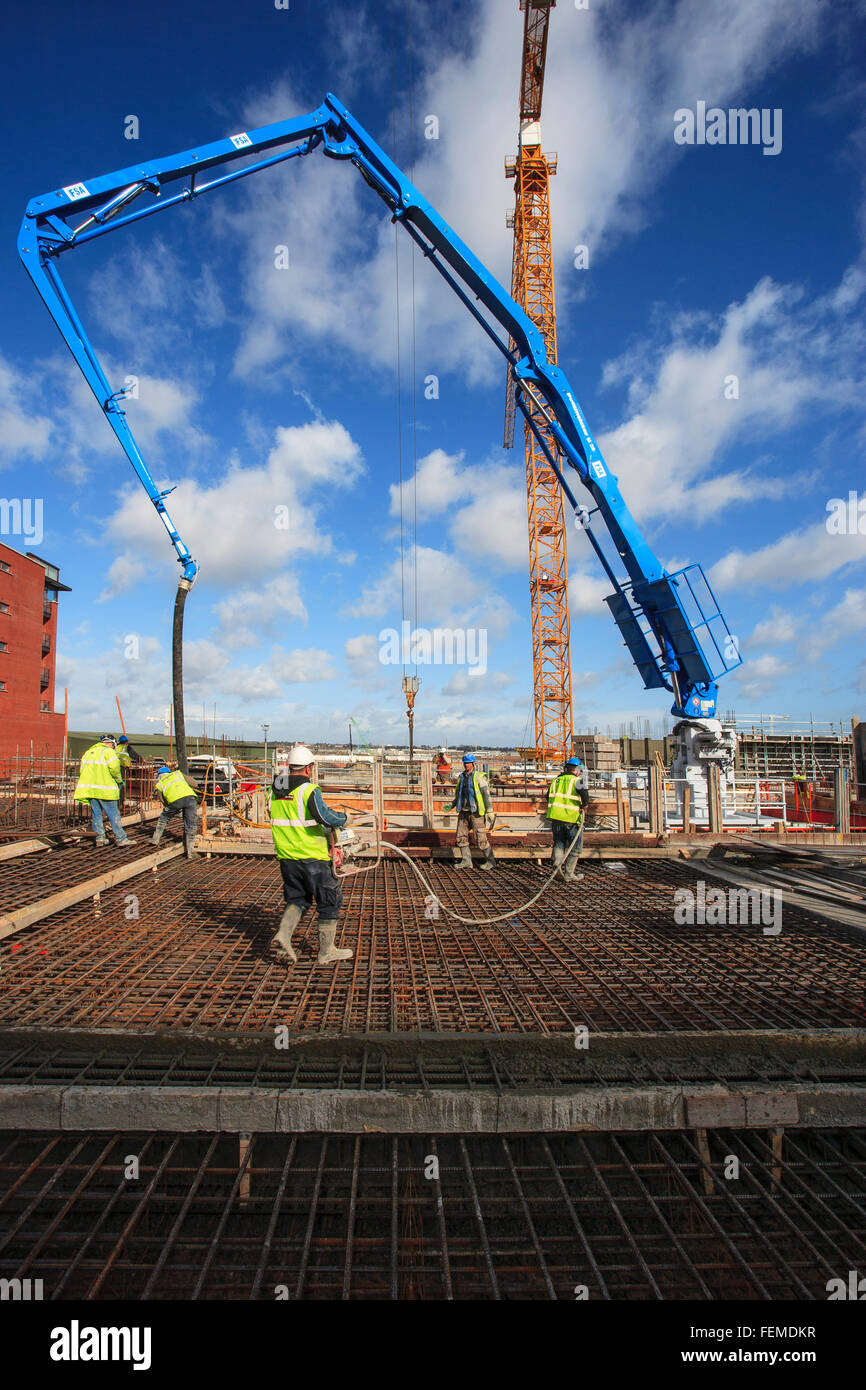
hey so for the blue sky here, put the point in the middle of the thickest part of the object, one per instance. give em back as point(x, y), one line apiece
point(262, 388)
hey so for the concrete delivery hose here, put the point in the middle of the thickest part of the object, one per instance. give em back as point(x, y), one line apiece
point(455, 916)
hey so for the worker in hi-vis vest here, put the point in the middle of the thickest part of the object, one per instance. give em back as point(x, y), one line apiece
point(474, 806)
point(300, 825)
point(99, 783)
point(566, 801)
point(176, 794)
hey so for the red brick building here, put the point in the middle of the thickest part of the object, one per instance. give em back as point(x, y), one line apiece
point(28, 652)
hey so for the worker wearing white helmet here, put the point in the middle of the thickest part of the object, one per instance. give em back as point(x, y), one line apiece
point(300, 824)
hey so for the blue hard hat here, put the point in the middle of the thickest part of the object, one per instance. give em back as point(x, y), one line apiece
point(469, 757)
point(161, 770)
point(123, 739)
point(573, 762)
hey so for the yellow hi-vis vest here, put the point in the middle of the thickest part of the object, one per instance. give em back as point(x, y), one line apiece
point(562, 800)
point(173, 786)
point(296, 835)
point(99, 775)
point(483, 803)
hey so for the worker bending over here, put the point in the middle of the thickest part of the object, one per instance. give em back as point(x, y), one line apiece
point(126, 753)
point(566, 801)
point(473, 804)
point(176, 794)
point(99, 783)
point(300, 824)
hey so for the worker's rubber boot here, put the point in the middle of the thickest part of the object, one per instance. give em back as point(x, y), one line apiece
point(328, 952)
point(157, 835)
point(489, 860)
point(282, 942)
point(570, 873)
point(465, 857)
point(558, 855)
point(189, 846)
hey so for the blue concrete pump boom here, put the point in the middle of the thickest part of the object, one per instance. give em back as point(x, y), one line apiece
point(671, 623)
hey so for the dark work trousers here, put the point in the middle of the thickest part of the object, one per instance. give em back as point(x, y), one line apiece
point(563, 834)
point(311, 880)
point(186, 804)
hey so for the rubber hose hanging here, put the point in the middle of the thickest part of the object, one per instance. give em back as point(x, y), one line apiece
point(183, 589)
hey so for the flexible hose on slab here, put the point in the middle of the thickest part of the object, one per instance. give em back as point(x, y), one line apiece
point(484, 921)
point(455, 916)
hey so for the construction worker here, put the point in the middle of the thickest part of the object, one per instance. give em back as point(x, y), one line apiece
point(99, 783)
point(126, 756)
point(300, 822)
point(473, 804)
point(566, 800)
point(176, 794)
point(443, 766)
point(126, 753)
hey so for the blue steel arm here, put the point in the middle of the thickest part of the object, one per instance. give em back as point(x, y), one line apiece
point(693, 646)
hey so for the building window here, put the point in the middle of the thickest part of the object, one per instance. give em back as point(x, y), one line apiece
point(4, 646)
point(4, 607)
point(45, 708)
point(2, 685)
point(5, 568)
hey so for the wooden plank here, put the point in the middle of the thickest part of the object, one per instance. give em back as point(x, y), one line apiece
point(46, 907)
point(23, 847)
point(704, 1151)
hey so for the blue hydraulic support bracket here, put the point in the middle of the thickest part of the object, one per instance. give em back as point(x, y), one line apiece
point(693, 643)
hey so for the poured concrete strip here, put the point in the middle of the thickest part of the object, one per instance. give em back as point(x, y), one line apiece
point(57, 902)
point(721, 1047)
point(270, 1110)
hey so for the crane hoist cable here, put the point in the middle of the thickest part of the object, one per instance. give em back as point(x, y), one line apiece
point(399, 354)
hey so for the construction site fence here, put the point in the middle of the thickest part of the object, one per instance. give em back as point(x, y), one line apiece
point(37, 793)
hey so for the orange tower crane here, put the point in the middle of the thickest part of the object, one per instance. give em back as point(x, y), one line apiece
point(532, 287)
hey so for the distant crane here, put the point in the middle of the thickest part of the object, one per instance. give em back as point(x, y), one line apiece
point(532, 287)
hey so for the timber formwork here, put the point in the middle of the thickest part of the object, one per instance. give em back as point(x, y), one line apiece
point(581, 1072)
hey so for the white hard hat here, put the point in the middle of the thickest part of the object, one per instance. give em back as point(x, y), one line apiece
point(300, 756)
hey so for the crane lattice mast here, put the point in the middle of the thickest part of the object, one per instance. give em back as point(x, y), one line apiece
point(532, 287)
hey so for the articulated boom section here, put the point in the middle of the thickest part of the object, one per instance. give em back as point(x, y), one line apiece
point(670, 622)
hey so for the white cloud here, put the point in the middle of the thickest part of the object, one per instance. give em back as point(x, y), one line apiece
point(796, 558)
point(586, 594)
point(25, 433)
point(438, 482)
point(788, 356)
point(248, 522)
point(444, 582)
point(362, 660)
point(485, 505)
point(173, 300)
point(340, 286)
point(761, 675)
point(123, 573)
point(248, 615)
point(776, 630)
point(841, 623)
